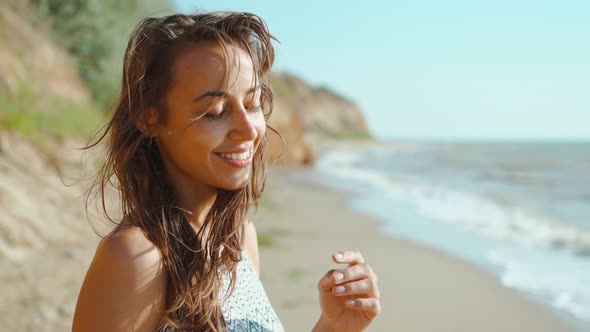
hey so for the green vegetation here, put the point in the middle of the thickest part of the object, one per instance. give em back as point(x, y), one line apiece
point(265, 240)
point(30, 116)
point(296, 274)
point(268, 237)
point(94, 32)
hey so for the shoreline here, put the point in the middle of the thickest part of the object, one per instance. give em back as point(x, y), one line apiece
point(308, 222)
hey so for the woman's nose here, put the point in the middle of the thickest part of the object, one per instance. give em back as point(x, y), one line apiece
point(243, 125)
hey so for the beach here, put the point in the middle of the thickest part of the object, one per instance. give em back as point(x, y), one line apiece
point(302, 224)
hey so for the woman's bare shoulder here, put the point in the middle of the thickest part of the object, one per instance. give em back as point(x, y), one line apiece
point(251, 244)
point(125, 286)
point(130, 243)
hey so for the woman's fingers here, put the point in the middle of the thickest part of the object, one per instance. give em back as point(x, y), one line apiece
point(356, 284)
point(366, 286)
point(326, 282)
point(357, 278)
point(350, 257)
point(365, 304)
point(351, 273)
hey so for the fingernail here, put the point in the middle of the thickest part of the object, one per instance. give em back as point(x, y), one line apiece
point(338, 276)
point(339, 256)
point(340, 289)
point(350, 302)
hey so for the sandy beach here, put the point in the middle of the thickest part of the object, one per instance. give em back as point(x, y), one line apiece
point(422, 289)
point(299, 225)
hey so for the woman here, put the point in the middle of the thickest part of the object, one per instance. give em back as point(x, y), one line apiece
point(187, 152)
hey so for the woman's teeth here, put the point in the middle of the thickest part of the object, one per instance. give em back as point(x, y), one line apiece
point(236, 156)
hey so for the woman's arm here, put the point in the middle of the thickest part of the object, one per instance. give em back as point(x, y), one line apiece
point(124, 288)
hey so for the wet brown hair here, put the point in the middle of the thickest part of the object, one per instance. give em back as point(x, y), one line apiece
point(134, 167)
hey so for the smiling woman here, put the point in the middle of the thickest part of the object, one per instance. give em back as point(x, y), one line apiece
point(187, 149)
point(201, 152)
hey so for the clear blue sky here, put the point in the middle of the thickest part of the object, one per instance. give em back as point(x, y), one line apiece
point(430, 69)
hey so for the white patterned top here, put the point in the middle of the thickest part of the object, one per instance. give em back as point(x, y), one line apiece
point(248, 308)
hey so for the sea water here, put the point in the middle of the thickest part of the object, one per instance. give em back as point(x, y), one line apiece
point(519, 210)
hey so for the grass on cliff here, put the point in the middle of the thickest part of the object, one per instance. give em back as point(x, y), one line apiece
point(39, 117)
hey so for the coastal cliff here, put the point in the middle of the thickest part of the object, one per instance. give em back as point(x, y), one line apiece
point(305, 116)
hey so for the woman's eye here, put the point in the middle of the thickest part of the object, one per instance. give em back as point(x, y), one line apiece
point(222, 114)
point(216, 116)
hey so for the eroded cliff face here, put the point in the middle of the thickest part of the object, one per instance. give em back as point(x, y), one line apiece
point(306, 116)
point(31, 64)
point(46, 241)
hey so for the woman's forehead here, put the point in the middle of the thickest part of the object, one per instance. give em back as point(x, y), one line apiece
point(207, 66)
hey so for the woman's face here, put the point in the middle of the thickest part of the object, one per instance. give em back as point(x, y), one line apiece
point(217, 149)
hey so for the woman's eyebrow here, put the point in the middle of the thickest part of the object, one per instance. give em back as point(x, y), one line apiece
point(218, 93)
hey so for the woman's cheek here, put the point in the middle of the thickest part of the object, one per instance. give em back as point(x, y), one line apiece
point(261, 126)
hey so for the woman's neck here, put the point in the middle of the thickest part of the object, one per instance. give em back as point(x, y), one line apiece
point(196, 203)
point(196, 199)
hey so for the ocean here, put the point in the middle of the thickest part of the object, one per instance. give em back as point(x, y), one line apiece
point(519, 210)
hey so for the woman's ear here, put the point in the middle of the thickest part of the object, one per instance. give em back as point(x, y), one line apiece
point(147, 122)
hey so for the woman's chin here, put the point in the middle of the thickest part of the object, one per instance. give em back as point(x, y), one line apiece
point(235, 184)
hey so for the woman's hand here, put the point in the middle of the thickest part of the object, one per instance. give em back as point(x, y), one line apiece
point(349, 297)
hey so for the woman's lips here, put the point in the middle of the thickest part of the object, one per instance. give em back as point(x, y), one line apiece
point(236, 163)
